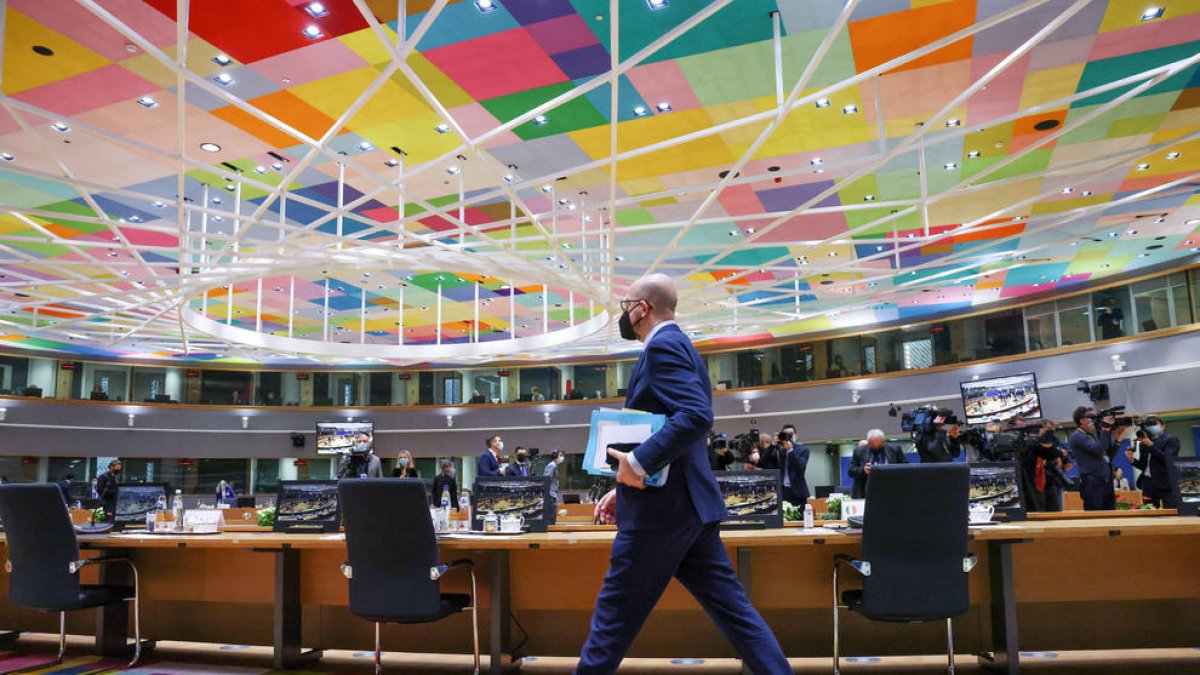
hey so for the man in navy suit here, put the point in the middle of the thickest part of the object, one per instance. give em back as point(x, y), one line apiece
point(792, 461)
point(671, 530)
point(488, 463)
point(1157, 452)
point(1093, 448)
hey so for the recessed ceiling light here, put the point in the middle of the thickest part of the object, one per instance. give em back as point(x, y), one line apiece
point(1131, 232)
point(485, 6)
point(656, 4)
point(832, 254)
point(210, 147)
point(733, 233)
point(218, 219)
point(365, 146)
point(619, 258)
point(60, 127)
point(547, 187)
point(822, 102)
point(1142, 167)
point(750, 230)
point(452, 170)
point(216, 200)
point(974, 154)
point(159, 205)
point(540, 120)
point(224, 79)
point(316, 10)
point(953, 123)
point(868, 198)
point(6, 156)
point(663, 106)
point(1152, 12)
point(442, 128)
point(1086, 193)
point(222, 60)
point(1143, 255)
point(849, 109)
point(950, 165)
point(816, 161)
point(312, 32)
point(1193, 221)
point(277, 166)
point(1172, 155)
point(147, 102)
point(391, 161)
point(1067, 190)
point(230, 186)
point(112, 254)
point(135, 218)
point(640, 111)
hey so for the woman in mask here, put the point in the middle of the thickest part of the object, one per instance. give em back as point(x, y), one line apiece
point(556, 459)
point(405, 467)
point(444, 482)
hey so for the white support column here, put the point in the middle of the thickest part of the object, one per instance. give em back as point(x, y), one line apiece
point(203, 257)
point(362, 317)
point(475, 323)
point(400, 316)
point(325, 313)
point(400, 228)
point(545, 309)
point(258, 308)
point(341, 197)
point(512, 310)
point(778, 40)
point(462, 207)
point(439, 314)
point(291, 304)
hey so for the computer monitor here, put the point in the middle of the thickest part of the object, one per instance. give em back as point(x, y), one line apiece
point(999, 399)
point(1189, 485)
point(246, 502)
point(528, 496)
point(134, 501)
point(752, 498)
point(336, 438)
point(998, 484)
point(307, 506)
point(162, 398)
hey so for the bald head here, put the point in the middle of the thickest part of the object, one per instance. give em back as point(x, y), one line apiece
point(650, 301)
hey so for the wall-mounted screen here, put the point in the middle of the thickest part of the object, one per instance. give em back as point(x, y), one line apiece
point(1189, 485)
point(1000, 399)
point(335, 438)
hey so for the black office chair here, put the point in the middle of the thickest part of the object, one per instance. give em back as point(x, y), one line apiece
point(914, 549)
point(392, 557)
point(43, 561)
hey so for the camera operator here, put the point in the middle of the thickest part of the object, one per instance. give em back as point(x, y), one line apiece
point(792, 461)
point(1093, 447)
point(872, 452)
point(936, 443)
point(1043, 464)
point(760, 453)
point(361, 461)
point(1157, 451)
point(720, 457)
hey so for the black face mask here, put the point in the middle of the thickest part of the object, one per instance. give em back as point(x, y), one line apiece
point(520, 459)
point(626, 326)
point(115, 472)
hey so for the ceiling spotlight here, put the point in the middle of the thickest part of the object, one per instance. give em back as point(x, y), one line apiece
point(218, 219)
point(640, 111)
point(316, 10)
point(224, 79)
point(147, 102)
point(663, 106)
point(1086, 193)
point(452, 170)
point(832, 254)
point(974, 154)
point(547, 187)
point(159, 205)
point(277, 166)
point(6, 156)
point(365, 146)
point(822, 102)
point(868, 198)
point(210, 147)
point(442, 128)
point(619, 258)
point(953, 123)
point(1172, 155)
point(216, 200)
point(508, 178)
point(1152, 12)
point(222, 60)
point(540, 120)
point(950, 165)
point(230, 186)
point(312, 32)
point(1142, 167)
point(391, 161)
point(60, 127)
point(260, 169)
point(1067, 190)
point(816, 161)
point(656, 4)
point(849, 109)
point(485, 6)
point(1193, 221)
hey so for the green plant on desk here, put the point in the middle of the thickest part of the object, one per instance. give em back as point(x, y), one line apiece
point(98, 514)
point(1124, 506)
point(266, 517)
point(833, 509)
point(791, 512)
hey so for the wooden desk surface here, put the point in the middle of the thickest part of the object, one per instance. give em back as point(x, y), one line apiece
point(602, 539)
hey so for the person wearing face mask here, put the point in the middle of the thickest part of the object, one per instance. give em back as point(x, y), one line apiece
point(444, 481)
point(1157, 452)
point(792, 461)
point(1093, 446)
point(360, 462)
point(556, 459)
point(106, 487)
point(519, 466)
point(762, 456)
point(406, 468)
point(488, 463)
point(673, 530)
point(937, 443)
point(875, 451)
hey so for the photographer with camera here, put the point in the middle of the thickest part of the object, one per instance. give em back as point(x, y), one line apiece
point(361, 461)
point(756, 454)
point(872, 452)
point(937, 443)
point(792, 462)
point(720, 457)
point(1157, 451)
point(1094, 444)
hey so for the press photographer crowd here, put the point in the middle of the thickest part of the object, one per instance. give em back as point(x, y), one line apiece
point(1048, 465)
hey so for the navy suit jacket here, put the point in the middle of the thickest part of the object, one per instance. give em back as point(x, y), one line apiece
point(487, 464)
point(670, 379)
point(797, 464)
point(1160, 458)
point(1093, 456)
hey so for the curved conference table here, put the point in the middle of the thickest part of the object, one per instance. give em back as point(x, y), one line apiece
point(1093, 583)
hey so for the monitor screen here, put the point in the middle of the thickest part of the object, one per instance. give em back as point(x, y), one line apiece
point(1000, 399)
point(135, 500)
point(335, 438)
point(528, 497)
point(307, 506)
point(1189, 485)
point(997, 484)
point(752, 496)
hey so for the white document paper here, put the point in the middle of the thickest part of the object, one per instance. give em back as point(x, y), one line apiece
point(610, 432)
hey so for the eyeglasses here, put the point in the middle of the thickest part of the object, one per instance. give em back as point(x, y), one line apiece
point(626, 305)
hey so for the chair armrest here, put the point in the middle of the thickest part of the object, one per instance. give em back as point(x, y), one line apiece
point(437, 572)
point(76, 565)
point(861, 566)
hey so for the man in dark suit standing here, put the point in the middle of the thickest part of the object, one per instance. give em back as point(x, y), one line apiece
point(1157, 451)
point(873, 452)
point(671, 530)
point(792, 461)
point(1093, 448)
point(488, 463)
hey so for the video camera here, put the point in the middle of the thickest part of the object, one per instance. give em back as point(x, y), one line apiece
point(743, 445)
point(1122, 421)
point(919, 421)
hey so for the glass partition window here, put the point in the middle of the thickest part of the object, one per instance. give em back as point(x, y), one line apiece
point(150, 385)
point(1074, 321)
point(14, 374)
point(1154, 302)
point(750, 368)
point(266, 475)
point(268, 390)
point(843, 357)
point(379, 389)
point(591, 381)
point(225, 387)
point(1112, 313)
point(1040, 327)
point(540, 384)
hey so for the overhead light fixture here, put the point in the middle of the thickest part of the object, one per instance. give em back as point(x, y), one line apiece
point(951, 123)
point(159, 205)
point(365, 146)
point(849, 109)
point(1172, 155)
point(391, 161)
point(656, 4)
point(1086, 193)
point(832, 254)
point(868, 198)
point(822, 102)
point(216, 200)
point(6, 156)
point(1152, 12)
point(540, 120)
point(640, 111)
point(547, 187)
point(210, 147)
point(442, 128)
point(452, 170)
point(218, 219)
point(224, 79)
point(1067, 190)
point(222, 60)
point(312, 32)
point(485, 6)
point(129, 419)
point(60, 127)
point(230, 186)
point(277, 166)
point(316, 10)
point(663, 106)
point(147, 102)
point(1142, 167)
point(974, 154)
point(950, 165)
point(1118, 364)
point(816, 161)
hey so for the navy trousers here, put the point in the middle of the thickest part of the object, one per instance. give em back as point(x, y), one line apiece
point(1097, 494)
point(641, 565)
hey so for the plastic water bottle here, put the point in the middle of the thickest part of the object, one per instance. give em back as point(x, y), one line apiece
point(446, 498)
point(177, 510)
point(464, 511)
point(808, 516)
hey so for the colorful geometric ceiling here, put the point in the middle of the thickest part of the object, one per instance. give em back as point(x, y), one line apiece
point(358, 181)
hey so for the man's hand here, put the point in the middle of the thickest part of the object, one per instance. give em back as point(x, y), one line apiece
point(1145, 440)
point(867, 468)
point(1129, 455)
point(625, 473)
point(606, 508)
point(954, 431)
